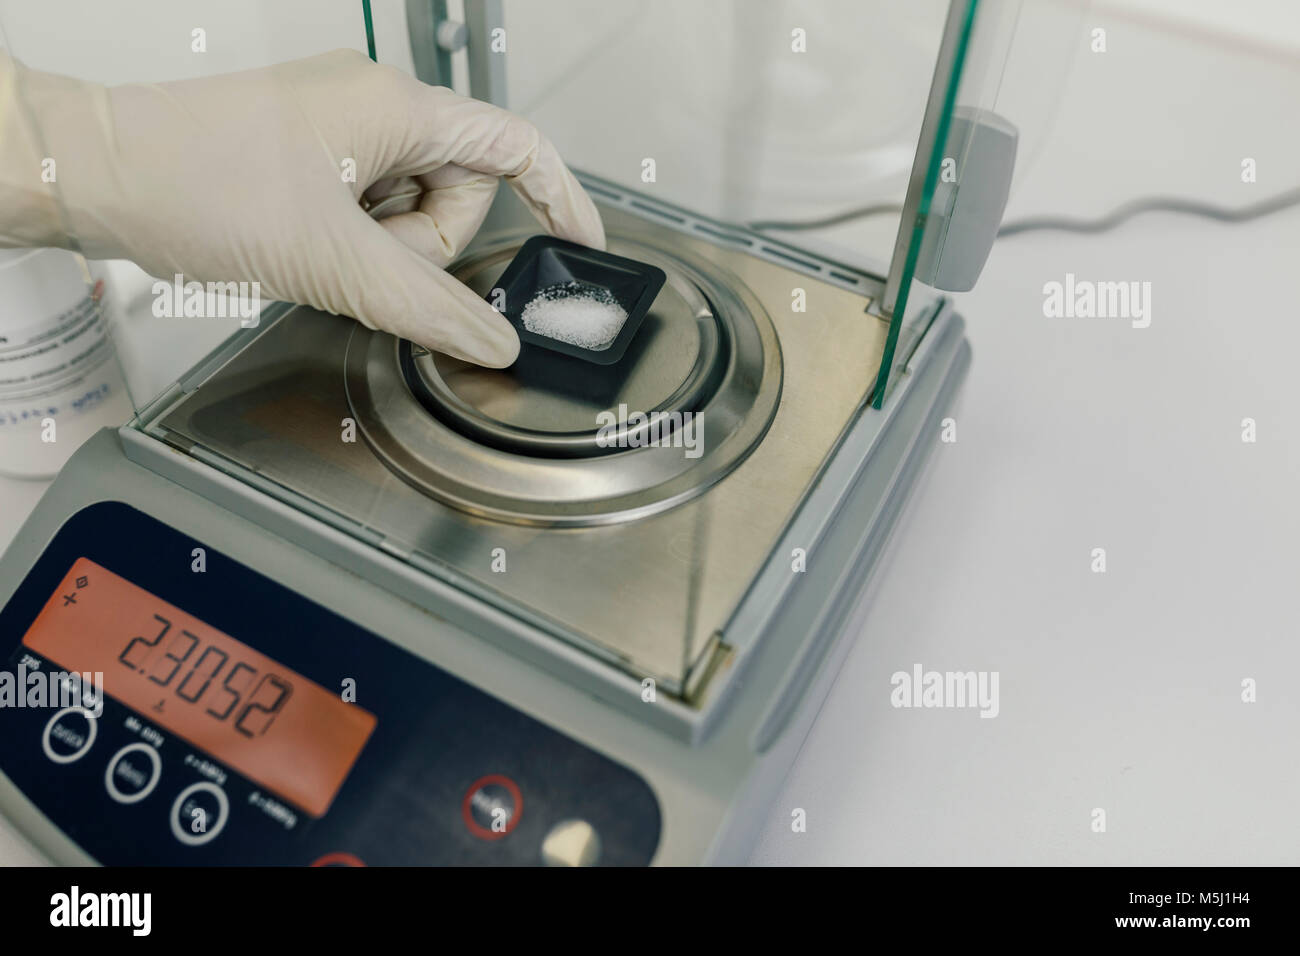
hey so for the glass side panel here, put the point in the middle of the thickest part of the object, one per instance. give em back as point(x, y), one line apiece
point(799, 120)
point(997, 79)
point(932, 146)
point(825, 124)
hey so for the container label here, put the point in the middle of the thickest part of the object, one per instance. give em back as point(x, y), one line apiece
point(44, 367)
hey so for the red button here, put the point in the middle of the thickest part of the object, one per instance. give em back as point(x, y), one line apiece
point(339, 859)
point(484, 797)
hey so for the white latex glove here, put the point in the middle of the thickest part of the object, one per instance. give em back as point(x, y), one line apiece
point(241, 177)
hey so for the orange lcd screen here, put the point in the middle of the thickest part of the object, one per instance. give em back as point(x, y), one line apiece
point(274, 726)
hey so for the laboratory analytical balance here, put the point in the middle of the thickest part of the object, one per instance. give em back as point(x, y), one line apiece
point(356, 602)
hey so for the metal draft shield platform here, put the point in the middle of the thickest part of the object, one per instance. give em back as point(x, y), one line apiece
point(499, 482)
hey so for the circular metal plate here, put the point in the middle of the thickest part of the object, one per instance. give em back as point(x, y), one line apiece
point(529, 444)
point(546, 404)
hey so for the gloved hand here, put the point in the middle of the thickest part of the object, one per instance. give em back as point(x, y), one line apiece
point(244, 177)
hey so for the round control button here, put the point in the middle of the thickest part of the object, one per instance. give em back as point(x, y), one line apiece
point(133, 773)
point(69, 734)
point(492, 807)
point(339, 859)
point(199, 813)
point(571, 843)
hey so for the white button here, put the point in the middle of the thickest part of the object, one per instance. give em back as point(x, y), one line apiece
point(223, 813)
point(85, 745)
point(571, 843)
point(144, 791)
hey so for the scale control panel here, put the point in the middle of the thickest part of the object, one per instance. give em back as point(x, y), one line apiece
point(168, 705)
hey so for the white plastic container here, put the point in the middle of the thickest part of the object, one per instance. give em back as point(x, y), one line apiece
point(60, 381)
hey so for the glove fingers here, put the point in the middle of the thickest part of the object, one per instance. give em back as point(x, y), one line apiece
point(450, 212)
point(556, 198)
point(387, 197)
point(487, 139)
point(400, 291)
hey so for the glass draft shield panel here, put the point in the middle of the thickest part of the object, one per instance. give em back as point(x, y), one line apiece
point(796, 120)
point(997, 78)
point(840, 127)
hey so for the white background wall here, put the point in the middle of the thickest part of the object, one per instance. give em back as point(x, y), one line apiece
point(1272, 23)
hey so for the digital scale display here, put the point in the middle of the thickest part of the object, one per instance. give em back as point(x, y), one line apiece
point(276, 727)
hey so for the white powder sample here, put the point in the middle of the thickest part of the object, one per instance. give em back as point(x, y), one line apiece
point(578, 314)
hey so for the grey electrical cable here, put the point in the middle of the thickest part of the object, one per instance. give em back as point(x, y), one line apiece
point(864, 213)
point(1121, 214)
point(1189, 207)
